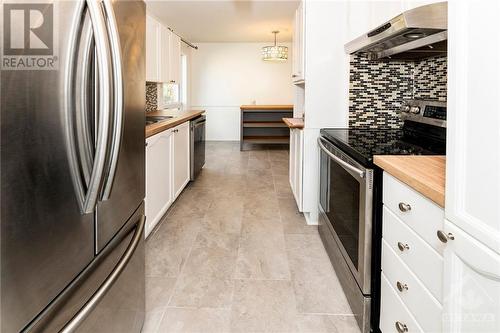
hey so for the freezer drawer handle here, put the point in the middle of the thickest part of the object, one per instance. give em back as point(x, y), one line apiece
point(73, 324)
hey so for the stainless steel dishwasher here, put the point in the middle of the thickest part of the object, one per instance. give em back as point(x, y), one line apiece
point(197, 145)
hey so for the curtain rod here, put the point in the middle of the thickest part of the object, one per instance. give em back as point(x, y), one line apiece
point(184, 41)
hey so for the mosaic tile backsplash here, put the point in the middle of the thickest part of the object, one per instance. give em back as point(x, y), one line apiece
point(151, 96)
point(377, 88)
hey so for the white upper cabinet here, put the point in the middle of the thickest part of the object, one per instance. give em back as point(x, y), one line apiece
point(471, 285)
point(174, 58)
point(298, 70)
point(163, 53)
point(473, 140)
point(152, 49)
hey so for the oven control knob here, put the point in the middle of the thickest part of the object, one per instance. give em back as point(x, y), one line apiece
point(415, 109)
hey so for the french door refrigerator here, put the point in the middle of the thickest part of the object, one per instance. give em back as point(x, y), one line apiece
point(72, 167)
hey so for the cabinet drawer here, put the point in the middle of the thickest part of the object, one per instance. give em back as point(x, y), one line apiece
point(424, 307)
point(393, 311)
point(422, 259)
point(424, 216)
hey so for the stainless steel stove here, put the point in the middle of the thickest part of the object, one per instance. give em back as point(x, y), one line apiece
point(350, 196)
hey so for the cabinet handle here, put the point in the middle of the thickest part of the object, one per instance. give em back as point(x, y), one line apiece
point(172, 81)
point(402, 247)
point(404, 207)
point(401, 328)
point(443, 237)
point(401, 286)
point(294, 75)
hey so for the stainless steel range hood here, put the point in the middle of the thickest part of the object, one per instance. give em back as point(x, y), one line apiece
point(415, 34)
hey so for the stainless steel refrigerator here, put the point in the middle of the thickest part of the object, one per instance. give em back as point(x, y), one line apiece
point(72, 166)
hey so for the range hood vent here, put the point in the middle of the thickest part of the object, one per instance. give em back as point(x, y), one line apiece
point(415, 34)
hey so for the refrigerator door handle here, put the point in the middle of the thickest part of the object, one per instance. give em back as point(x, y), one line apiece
point(104, 74)
point(83, 104)
point(118, 96)
point(90, 305)
point(87, 193)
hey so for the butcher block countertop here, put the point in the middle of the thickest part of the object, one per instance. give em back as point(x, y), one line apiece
point(266, 107)
point(294, 122)
point(179, 117)
point(425, 174)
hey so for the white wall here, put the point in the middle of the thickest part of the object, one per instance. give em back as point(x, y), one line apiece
point(227, 75)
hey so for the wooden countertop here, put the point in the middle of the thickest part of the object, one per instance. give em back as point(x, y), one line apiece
point(266, 107)
point(425, 174)
point(294, 122)
point(178, 118)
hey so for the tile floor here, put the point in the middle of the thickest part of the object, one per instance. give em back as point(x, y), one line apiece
point(234, 255)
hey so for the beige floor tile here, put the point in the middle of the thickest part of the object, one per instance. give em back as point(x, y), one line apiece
point(262, 256)
point(193, 202)
point(197, 320)
point(294, 221)
point(206, 278)
point(317, 288)
point(167, 249)
point(327, 324)
point(152, 321)
point(263, 306)
point(158, 292)
point(259, 225)
point(225, 216)
point(259, 154)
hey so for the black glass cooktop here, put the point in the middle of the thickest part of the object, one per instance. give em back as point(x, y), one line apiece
point(412, 139)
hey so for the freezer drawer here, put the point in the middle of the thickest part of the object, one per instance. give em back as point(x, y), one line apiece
point(122, 307)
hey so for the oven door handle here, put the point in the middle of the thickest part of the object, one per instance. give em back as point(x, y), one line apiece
point(346, 165)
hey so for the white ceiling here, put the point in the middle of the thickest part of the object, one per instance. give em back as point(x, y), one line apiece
point(226, 20)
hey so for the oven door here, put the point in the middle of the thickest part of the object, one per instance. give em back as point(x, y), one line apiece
point(346, 193)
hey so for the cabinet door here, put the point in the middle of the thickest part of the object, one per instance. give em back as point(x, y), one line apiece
point(158, 177)
point(298, 45)
point(174, 58)
point(152, 49)
point(291, 168)
point(471, 285)
point(473, 138)
point(296, 155)
point(181, 158)
point(164, 54)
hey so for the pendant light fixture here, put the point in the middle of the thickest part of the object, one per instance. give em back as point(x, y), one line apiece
point(275, 52)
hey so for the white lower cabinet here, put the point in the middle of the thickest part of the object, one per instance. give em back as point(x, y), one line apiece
point(394, 315)
point(295, 172)
point(471, 284)
point(167, 171)
point(181, 169)
point(158, 177)
point(412, 261)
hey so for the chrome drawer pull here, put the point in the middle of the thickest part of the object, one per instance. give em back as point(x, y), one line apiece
point(404, 207)
point(402, 328)
point(402, 247)
point(401, 286)
point(443, 237)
